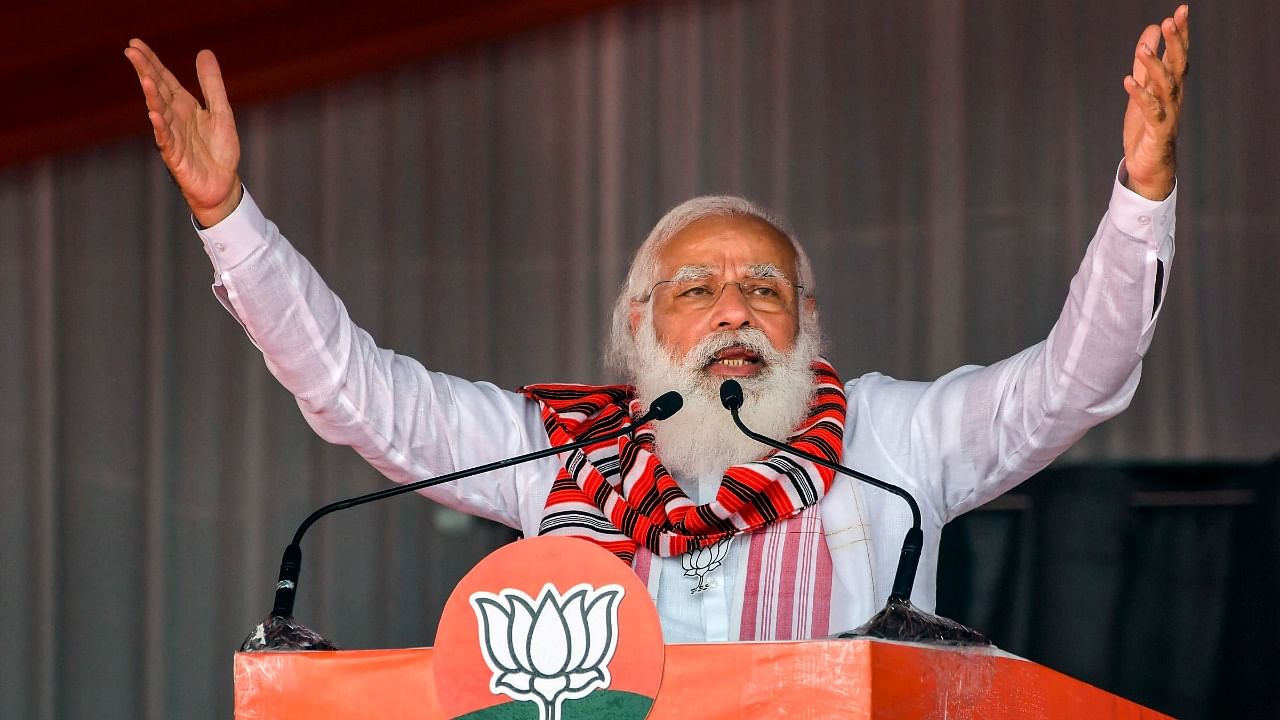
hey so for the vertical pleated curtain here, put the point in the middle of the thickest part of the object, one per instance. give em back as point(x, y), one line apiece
point(944, 162)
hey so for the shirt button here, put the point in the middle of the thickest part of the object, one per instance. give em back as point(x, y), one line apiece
point(219, 247)
point(1144, 219)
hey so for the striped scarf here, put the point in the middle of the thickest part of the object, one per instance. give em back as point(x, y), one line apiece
point(618, 495)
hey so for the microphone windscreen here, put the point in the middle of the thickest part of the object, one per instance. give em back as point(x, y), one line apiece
point(667, 404)
point(731, 394)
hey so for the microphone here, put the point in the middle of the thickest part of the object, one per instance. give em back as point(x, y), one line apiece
point(667, 404)
point(909, 560)
point(662, 408)
point(899, 620)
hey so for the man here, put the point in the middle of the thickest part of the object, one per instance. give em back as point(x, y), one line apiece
point(733, 542)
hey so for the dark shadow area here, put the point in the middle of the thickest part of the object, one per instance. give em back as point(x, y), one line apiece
point(1153, 582)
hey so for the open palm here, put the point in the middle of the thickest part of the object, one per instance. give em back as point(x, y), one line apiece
point(198, 144)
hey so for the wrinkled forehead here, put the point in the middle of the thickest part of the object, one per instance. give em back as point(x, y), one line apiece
point(722, 246)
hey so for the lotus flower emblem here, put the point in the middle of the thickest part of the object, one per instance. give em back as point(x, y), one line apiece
point(699, 563)
point(551, 649)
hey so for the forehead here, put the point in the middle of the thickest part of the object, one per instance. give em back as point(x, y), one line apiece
point(728, 243)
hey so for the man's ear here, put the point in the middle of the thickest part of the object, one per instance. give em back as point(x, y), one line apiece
point(811, 304)
point(637, 314)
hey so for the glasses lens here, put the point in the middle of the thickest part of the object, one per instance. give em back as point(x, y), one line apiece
point(761, 294)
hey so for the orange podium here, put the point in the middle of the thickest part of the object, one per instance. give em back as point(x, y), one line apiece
point(861, 678)
point(555, 628)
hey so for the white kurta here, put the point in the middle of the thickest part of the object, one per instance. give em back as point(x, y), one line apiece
point(954, 443)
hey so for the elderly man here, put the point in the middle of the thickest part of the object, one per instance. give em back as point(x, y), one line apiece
point(734, 542)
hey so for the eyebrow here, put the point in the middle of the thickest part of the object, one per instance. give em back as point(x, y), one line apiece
point(693, 272)
point(766, 270)
point(758, 271)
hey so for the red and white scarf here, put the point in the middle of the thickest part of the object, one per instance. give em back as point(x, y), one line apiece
point(618, 495)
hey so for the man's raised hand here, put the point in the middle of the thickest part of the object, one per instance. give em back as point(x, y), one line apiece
point(198, 144)
point(1155, 104)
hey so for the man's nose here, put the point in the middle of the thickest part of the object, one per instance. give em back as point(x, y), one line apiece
point(731, 309)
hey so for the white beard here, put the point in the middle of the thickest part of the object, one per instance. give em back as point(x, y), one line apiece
point(701, 441)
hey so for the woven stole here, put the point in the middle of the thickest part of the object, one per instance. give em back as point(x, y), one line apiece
point(619, 496)
point(787, 591)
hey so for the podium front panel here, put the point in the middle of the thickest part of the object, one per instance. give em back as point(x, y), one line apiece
point(814, 679)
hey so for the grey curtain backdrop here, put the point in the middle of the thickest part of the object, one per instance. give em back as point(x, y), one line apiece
point(944, 162)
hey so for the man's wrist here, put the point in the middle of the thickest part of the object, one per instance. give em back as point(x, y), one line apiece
point(207, 218)
point(1155, 188)
point(1156, 192)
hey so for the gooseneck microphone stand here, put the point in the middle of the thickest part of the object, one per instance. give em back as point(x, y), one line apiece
point(899, 620)
point(281, 615)
point(905, 578)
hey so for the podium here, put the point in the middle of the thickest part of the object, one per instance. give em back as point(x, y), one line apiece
point(861, 678)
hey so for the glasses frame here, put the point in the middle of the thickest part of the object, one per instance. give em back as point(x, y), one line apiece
point(653, 288)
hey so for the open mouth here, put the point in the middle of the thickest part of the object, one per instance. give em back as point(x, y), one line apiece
point(734, 356)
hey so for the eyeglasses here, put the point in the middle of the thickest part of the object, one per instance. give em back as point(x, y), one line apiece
point(764, 294)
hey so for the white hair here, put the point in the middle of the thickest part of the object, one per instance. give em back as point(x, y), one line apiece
point(644, 268)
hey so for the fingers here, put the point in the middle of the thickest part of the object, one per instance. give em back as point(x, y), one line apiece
point(1150, 38)
point(1177, 41)
point(162, 116)
point(159, 113)
point(1159, 81)
point(160, 129)
point(146, 64)
point(210, 76)
point(157, 102)
point(1151, 106)
point(167, 101)
point(1156, 82)
point(144, 61)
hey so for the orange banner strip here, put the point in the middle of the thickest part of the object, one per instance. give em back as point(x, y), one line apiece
point(841, 678)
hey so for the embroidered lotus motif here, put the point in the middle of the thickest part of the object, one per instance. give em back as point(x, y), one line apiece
point(551, 649)
point(699, 563)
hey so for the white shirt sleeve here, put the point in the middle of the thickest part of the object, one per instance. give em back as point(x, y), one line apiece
point(978, 431)
point(408, 422)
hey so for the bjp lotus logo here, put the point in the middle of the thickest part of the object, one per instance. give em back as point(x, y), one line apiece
point(703, 561)
point(550, 649)
point(553, 623)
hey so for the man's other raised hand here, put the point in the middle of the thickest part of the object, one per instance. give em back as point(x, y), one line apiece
point(198, 144)
point(1155, 104)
